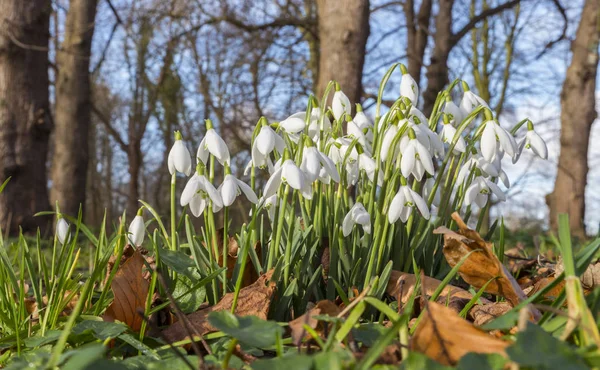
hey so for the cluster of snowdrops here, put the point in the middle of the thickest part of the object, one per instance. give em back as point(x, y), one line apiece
point(359, 182)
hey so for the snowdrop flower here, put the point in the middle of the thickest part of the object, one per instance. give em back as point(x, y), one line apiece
point(288, 173)
point(470, 101)
point(356, 132)
point(453, 111)
point(294, 123)
point(62, 230)
point(340, 104)
point(365, 163)
point(476, 161)
point(413, 155)
point(338, 149)
point(480, 190)
point(232, 187)
point(409, 87)
point(447, 136)
point(314, 162)
point(265, 142)
point(314, 128)
point(179, 157)
point(534, 142)
point(197, 192)
point(403, 203)
point(494, 138)
point(270, 204)
point(213, 144)
point(357, 215)
point(137, 230)
point(361, 119)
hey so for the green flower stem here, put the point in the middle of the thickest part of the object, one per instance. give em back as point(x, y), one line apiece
point(211, 255)
point(225, 246)
point(173, 213)
point(274, 247)
point(288, 244)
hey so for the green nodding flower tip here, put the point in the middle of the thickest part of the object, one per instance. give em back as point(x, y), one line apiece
point(448, 97)
point(275, 125)
point(348, 117)
point(358, 108)
point(529, 125)
point(465, 86)
point(403, 181)
point(477, 172)
point(400, 115)
point(473, 151)
point(178, 136)
point(403, 69)
point(359, 148)
point(314, 101)
point(262, 121)
point(140, 211)
point(488, 114)
point(209, 124)
point(337, 86)
point(359, 199)
point(308, 141)
point(200, 168)
point(446, 118)
point(58, 216)
point(227, 169)
point(411, 134)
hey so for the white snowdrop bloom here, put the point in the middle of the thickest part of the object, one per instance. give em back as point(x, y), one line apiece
point(270, 205)
point(361, 119)
point(314, 162)
point(340, 104)
point(534, 142)
point(62, 230)
point(455, 113)
point(213, 144)
point(409, 88)
point(137, 231)
point(356, 132)
point(248, 168)
point(415, 153)
point(231, 188)
point(197, 192)
point(288, 173)
point(504, 178)
point(357, 215)
point(264, 144)
point(403, 203)
point(367, 164)
point(480, 190)
point(428, 138)
point(294, 123)
point(447, 136)
point(428, 188)
point(417, 116)
point(476, 161)
point(179, 157)
point(339, 148)
point(469, 102)
point(493, 139)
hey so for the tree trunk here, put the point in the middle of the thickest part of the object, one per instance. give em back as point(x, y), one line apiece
point(25, 118)
point(578, 112)
point(417, 35)
point(343, 33)
point(73, 108)
point(437, 72)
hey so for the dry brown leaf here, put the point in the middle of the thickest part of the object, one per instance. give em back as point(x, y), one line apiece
point(542, 283)
point(445, 337)
point(402, 285)
point(590, 278)
point(250, 274)
point(130, 290)
point(484, 313)
point(253, 300)
point(482, 265)
point(324, 307)
point(32, 307)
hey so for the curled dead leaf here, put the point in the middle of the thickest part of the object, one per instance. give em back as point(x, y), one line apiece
point(445, 337)
point(481, 265)
point(253, 300)
point(324, 307)
point(484, 313)
point(130, 289)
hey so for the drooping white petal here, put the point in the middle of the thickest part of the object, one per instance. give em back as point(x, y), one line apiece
point(425, 158)
point(197, 205)
point(247, 190)
point(347, 224)
point(216, 146)
point(180, 159)
point(273, 183)
point(329, 167)
point(504, 178)
point(311, 163)
point(340, 104)
point(137, 231)
point(62, 230)
point(190, 190)
point(505, 139)
point(454, 111)
point(293, 124)
point(407, 163)
point(495, 189)
point(488, 141)
point(420, 204)
point(229, 190)
point(471, 193)
point(292, 175)
point(396, 207)
point(265, 140)
point(202, 153)
point(213, 194)
point(170, 162)
point(386, 144)
point(537, 144)
point(409, 88)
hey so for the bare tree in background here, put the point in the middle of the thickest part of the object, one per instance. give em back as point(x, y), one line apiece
point(25, 118)
point(73, 108)
point(343, 31)
point(578, 112)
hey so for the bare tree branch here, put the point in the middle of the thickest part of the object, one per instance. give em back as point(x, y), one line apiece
point(479, 17)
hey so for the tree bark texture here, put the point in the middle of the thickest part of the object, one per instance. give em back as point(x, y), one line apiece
point(343, 32)
point(578, 112)
point(25, 117)
point(73, 109)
